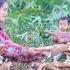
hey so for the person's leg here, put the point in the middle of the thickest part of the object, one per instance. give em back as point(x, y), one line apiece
point(54, 66)
point(61, 65)
point(47, 66)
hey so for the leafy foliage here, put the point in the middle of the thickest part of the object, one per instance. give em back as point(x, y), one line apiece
point(28, 19)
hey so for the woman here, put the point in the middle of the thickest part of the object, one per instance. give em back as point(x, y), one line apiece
point(8, 48)
point(15, 51)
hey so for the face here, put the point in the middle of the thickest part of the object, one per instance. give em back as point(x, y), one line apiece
point(63, 25)
point(3, 12)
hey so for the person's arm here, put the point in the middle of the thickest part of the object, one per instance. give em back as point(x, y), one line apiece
point(59, 40)
point(32, 51)
point(56, 38)
point(59, 48)
point(50, 33)
point(8, 40)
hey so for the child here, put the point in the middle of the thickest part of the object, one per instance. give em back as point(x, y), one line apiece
point(61, 36)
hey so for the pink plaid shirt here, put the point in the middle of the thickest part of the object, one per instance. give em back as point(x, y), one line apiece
point(63, 35)
point(12, 50)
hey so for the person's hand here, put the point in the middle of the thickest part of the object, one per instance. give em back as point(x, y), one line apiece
point(60, 40)
point(63, 47)
point(66, 49)
point(67, 53)
point(59, 48)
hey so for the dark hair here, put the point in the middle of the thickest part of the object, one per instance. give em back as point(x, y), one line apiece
point(2, 2)
point(65, 18)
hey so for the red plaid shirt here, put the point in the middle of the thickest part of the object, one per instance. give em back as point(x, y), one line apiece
point(11, 49)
